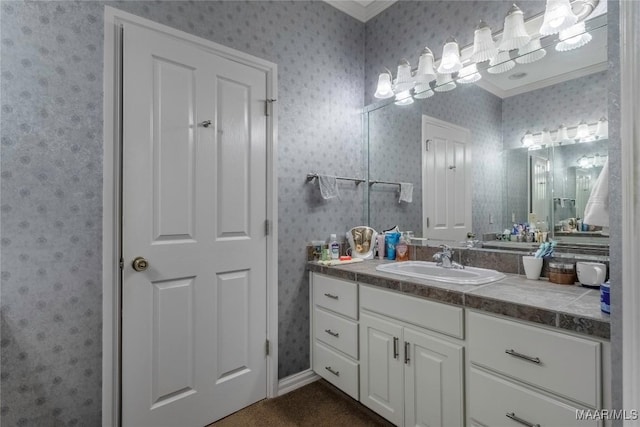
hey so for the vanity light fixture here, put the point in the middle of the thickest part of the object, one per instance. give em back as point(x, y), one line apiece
point(546, 138)
point(469, 74)
point(558, 16)
point(573, 38)
point(444, 83)
point(500, 63)
point(384, 89)
point(484, 48)
point(425, 73)
point(602, 128)
point(531, 52)
point(514, 34)
point(583, 131)
point(527, 139)
point(450, 62)
point(404, 98)
point(563, 134)
point(404, 80)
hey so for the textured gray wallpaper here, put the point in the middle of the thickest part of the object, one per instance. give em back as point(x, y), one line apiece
point(51, 71)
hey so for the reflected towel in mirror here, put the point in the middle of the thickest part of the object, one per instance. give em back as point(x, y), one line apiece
point(328, 186)
point(406, 192)
point(596, 212)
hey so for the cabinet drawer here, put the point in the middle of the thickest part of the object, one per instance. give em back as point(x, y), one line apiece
point(337, 295)
point(335, 368)
point(435, 316)
point(492, 398)
point(338, 332)
point(557, 362)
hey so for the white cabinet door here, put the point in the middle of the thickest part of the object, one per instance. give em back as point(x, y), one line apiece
point(381, 366)
point(446, 180)
point(433, 381)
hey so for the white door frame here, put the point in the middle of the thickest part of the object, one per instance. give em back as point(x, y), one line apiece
point(630, 182)
point(111, 198)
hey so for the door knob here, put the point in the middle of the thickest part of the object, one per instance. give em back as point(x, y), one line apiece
point(140, 264)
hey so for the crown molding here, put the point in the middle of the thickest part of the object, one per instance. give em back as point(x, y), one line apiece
point(358, 11)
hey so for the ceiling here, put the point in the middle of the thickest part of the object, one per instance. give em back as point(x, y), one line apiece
point(554, 68)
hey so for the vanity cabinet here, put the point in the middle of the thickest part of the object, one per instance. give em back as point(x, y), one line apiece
point(409, 375)
point(521, 374)
point(334, 332)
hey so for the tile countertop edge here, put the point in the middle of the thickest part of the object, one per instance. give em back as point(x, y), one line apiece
point(558, 319)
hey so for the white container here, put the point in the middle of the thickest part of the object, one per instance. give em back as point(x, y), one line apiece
point(591, 273)
point(532, 267)
point(334, 247)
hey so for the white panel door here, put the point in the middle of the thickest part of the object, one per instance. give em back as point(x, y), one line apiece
point(194, 168)
point(539, 191)
point(446, 180)
point(433, 381)
point(381, 367)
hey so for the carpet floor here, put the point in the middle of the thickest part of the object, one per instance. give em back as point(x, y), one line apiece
point(316, 404)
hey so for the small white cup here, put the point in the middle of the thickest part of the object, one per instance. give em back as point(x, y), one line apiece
point(532, 267)
point(591, 273)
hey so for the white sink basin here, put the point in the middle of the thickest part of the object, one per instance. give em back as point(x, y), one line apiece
point(431, 271)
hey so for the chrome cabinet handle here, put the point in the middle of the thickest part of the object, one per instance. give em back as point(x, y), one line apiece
point(395, 347)
point(406, 352)
point(514, 353)
point(515, 418)
point(331, 296)
point(336, 373)
point(206, 123)
point(333, 334)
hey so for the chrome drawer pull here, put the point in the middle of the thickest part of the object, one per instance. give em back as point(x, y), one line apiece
point(336, 373)
point(514, 353)
point(406, 353)
point(333, 334)
point(331, 296)
point(395, 347)
point(515, 418)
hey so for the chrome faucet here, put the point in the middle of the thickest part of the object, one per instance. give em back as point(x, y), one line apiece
point(443, 258)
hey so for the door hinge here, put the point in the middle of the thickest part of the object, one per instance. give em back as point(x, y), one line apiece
point(269, 102)
point(427, 222)
point(266, 348)
point(267, 227)
point(121, 263)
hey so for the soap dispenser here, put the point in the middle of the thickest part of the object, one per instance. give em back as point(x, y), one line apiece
point(334, 247)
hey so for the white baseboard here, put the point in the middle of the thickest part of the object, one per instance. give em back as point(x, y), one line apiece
point(296, 381)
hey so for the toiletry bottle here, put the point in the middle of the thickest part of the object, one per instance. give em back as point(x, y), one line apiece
point(334, 247)
point(402, 249)
point(380, 243)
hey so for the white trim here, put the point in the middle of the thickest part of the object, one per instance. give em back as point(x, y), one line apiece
point(295, 381)
point(358, 10)
point(113, 19)
point(630, 180)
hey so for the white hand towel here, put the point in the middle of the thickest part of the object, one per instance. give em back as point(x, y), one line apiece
point(596, 212)
point(406, 192)
point(328, 186)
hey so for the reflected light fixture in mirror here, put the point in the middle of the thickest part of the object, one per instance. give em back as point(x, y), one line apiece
point(404, 98)
point(583, 133)
point(501, 63)
point(558, 16)
point(444, 83)
point(602, 128)
point(423, 91)
point(469, 74)
point(583, 130)
point(573, 38)
point(527, 139)
point(531, 52)
point(514, 35)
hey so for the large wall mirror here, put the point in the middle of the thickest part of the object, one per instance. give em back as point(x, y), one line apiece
point(550, 178)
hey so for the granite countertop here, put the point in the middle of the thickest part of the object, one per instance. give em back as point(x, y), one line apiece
point(568, 307)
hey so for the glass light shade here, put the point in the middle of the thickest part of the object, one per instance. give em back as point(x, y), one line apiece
point(450, 62)
point(602, 129)
point(404, 81)
point(514, 33)
point(484, 48)
point(384, 90)
point(583, 130)
point(500, 64)
point(531, 52)
point(583, 162)
point(546, 138)
point(558, 16)
point(527, 139)
point(469, 74)
point(444, 83)
point(573, 38)
point(403, 98)
point(422, 91)
point(425, 72)
point(563, 134)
